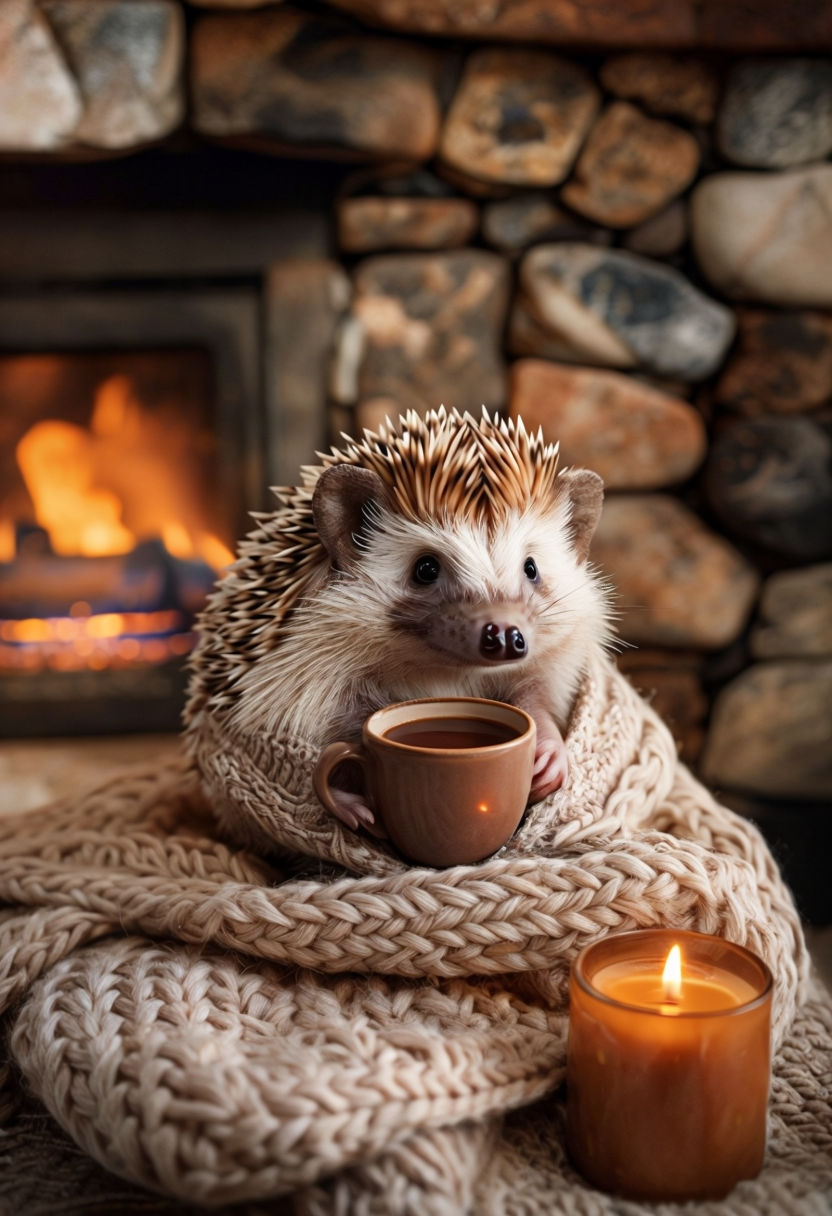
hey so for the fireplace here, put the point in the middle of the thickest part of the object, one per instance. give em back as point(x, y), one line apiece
point(142, 416)
point(122, 495)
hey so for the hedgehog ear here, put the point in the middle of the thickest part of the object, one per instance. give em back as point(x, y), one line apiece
point(342, 496)
point(585, 491)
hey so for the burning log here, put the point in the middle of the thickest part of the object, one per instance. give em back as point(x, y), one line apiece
point(39, 583)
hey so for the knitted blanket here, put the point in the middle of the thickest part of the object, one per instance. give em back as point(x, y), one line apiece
point(221, 994)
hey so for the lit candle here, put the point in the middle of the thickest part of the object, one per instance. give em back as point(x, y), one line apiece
point(668, 1064)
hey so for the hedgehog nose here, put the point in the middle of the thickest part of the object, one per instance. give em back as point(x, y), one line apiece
point(499, 643)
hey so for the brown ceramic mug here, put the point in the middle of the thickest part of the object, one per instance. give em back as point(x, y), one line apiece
point(447, 777)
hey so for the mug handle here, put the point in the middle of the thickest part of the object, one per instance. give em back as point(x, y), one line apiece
point(329, 759)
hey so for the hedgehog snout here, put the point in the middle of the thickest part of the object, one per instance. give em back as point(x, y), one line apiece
point(503, 642)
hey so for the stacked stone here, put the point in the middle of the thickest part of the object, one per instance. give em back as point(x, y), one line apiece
point(90, 77)
point(635, 256)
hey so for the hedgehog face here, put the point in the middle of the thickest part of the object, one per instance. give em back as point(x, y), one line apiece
point(459, 594)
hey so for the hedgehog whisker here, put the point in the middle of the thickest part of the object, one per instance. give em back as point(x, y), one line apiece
point(613, 641)
point(553, 605)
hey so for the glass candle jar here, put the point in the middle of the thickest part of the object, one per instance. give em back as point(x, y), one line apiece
point(668, 1073)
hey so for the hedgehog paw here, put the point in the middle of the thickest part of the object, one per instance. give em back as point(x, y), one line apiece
point(551, 768)
point(352, 810)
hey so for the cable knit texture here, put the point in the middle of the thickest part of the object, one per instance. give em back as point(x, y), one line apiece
point(223, 995)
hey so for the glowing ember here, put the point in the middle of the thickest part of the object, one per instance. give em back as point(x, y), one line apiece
point(106, 639)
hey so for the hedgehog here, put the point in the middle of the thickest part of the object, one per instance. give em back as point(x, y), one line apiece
point(441, 555)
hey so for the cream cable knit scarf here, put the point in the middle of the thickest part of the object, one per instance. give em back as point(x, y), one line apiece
point(367, 1036)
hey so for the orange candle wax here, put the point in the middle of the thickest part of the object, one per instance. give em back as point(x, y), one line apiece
point(668, 1070)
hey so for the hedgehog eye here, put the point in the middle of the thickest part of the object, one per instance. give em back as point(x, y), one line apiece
point(426, 569)
point(530, 570)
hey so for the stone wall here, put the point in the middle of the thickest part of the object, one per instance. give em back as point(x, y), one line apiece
point(553, 214)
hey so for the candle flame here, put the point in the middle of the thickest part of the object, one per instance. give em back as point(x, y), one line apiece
point(672, 975)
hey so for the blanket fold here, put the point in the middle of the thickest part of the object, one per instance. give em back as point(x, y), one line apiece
point(225, 996)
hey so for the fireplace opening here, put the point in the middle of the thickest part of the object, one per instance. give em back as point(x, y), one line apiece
point(113, 530)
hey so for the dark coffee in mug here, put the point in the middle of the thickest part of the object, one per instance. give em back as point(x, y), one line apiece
point(451, 733)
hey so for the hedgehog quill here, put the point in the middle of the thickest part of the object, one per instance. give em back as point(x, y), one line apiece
point(440, 556)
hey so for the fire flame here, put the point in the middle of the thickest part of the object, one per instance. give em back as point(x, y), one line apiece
point(79, 482)
point(56, 460)
point(98, 493)
point(7, 540)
